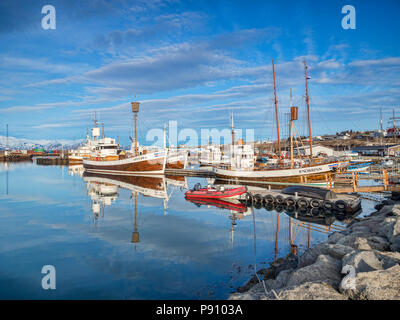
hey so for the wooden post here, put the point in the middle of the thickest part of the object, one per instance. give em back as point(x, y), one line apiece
point(385, 178)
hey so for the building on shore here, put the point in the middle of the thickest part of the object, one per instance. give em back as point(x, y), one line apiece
point(316, 150)
point(378, 150)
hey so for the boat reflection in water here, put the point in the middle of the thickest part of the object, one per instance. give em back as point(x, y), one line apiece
point(76, 170)
point(306, 219)
point(237, 210)
point(103, 191)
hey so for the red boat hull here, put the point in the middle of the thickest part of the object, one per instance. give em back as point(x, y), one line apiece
point(238, 207)
point(215, 194)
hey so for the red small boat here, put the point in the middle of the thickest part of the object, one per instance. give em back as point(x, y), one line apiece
point(238, 207)
point(214, 193)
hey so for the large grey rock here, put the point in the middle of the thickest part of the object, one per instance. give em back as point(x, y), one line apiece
point(362, 261)
point(385, 228)
point(388, 259)
point(396, 210)
point(308, 291)
point(386, 209)
point(325, 269)
point(376, 285)
point(280, 281)
point(334, 237)
point(336, 251)
point(394, 231)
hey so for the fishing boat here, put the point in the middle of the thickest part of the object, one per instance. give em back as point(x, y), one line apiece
point(304, 173)
point(359, 167)
point(215, 193)
point(106, 160)
point(177, 159)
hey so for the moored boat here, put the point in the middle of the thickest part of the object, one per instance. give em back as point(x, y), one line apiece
point(215, 193)
point(106, 160)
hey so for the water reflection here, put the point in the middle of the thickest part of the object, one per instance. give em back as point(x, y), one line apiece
point(89, 226)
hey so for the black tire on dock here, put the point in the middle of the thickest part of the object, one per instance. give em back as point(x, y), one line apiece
point(303, 203)
point(257, 198)
point(314, 203)
point(303, 211)
point(269, 206)
point(290, 201)
point(315, 212)
point(340, 205)
point(248, 198)
point(290, 209)
point(269, 198)
point(258, 205)
point(327, 204)
point(279, 208)
point(279, 199)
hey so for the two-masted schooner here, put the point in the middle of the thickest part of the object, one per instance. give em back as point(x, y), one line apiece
point(306, 174)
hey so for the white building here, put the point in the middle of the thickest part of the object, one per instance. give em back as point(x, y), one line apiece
point(317, 151)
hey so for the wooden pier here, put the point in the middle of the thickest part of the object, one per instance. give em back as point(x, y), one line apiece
point(52, 161)
point(190, 173)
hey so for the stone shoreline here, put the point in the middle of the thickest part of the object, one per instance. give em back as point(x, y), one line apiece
point(370, 246)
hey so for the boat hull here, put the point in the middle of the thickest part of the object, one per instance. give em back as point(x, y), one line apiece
point(148, 164)
point(308, 175)
point(176, 160)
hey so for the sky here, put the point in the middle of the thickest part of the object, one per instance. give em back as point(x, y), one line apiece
point(195, 62)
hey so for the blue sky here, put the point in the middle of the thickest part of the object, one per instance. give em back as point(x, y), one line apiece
point(195, 62)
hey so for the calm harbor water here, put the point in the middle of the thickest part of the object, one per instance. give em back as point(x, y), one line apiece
point(85, 227)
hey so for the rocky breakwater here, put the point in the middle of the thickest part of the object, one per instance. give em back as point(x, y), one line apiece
point(360, 263)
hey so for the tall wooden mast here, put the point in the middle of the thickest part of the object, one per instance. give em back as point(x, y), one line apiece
point(135, 110)
point(308, 109)
point(276, 111)
point(233, 139)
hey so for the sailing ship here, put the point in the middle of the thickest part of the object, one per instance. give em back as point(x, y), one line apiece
point(310, 173)
point(106, 160)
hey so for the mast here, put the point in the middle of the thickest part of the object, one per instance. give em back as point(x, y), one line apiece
point(276, 112)
point(135, 110)
point(233, 138)
point(102, 130)
point(308, 110)
point(293, 116)
point(135, 233)
point(165, 136)
point(7, 142)
point(381, 123)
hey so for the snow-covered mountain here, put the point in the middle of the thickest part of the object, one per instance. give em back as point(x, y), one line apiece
point(25, 144)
